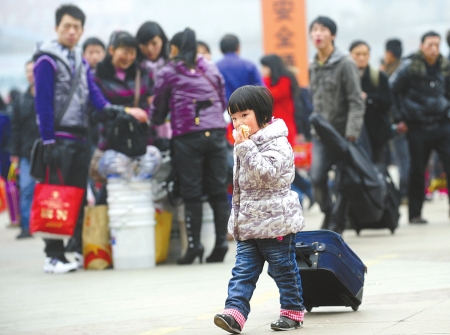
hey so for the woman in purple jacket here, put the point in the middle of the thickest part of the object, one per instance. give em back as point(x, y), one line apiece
point(192, 91)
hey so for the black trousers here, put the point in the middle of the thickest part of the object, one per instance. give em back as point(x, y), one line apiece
point(200, 160)
point(421, 142)
point(75, 156)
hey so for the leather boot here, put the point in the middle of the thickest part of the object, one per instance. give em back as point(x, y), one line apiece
point(193, 218)
point(221, 209)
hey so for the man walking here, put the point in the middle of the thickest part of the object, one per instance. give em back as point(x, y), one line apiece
point(24, 132)
point(59, 66)
point(391, 64)
point(336, 90)
point(236, 71)
point(421, 94)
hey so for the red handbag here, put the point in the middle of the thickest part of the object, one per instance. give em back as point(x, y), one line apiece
point(55, 209)
point(302, 155)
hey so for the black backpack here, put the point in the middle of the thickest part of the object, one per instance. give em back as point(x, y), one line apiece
point(127, 135)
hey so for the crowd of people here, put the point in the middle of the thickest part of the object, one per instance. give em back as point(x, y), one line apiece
point(399, 113)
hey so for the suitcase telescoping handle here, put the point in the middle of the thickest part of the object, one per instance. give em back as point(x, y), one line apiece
point(304, 249)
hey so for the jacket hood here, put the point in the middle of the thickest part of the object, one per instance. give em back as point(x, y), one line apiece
point(54, 49)
point(277, 128)
point(202, 65)
point(335, 57)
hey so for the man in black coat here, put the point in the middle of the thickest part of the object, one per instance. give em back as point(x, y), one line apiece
point(377, 96)
point(24, 132)
point(421, 92)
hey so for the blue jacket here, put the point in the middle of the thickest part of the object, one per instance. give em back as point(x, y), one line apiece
point(237, 72)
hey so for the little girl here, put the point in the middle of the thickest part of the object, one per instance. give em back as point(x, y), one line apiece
point(266, 214)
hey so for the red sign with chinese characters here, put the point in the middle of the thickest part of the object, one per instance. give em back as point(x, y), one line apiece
point(284, 27)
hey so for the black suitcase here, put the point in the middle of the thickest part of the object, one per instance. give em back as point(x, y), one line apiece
point(332, 274)
point(391, 214)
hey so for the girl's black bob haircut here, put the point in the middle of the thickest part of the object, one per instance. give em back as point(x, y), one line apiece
point(256, 98)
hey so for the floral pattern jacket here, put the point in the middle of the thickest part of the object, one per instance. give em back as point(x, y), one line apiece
point(263, 204)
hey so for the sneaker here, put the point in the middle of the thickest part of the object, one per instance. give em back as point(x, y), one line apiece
point(24, 234)
point(228, 323)
point(79, 259)
point(284, 323)
point(418, 219)
point(56, 265)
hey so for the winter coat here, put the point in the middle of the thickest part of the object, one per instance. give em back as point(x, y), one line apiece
point(181, 91)
point(263, 204)
point(378, 105)
point(336, 91)
point(119, 92)
point(24, 126)
point(421, 95)
point(283, 104)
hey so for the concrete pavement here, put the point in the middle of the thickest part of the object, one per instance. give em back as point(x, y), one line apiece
point(407, 290)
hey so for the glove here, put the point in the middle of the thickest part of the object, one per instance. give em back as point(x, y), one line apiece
point(51, 155)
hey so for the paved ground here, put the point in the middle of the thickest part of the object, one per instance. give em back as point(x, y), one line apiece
point(407, 290)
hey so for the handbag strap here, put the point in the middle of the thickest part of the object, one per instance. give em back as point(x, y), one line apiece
point(210, 81)
point(47, 175)
point(137, 88)
point(60, 116)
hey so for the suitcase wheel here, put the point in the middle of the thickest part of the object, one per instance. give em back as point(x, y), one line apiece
point(308, 308)
point(355, 308)
point(357, 232)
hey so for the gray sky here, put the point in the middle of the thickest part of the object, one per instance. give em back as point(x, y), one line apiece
point(23, 22)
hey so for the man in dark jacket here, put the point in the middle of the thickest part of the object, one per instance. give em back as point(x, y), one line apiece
point(421, 92)
point(24, 132)
point(336, 91)
point(377, 95)
point(57, 63)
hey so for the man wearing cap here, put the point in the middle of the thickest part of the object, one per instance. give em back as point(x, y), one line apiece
point(336, 90)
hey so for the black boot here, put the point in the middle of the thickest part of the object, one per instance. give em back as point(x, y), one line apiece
point(193, 218)
point(221, 210)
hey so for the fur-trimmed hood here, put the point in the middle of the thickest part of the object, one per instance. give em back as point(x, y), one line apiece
point(417, 66)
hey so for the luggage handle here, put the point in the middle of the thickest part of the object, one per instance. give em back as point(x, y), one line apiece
point(303, 258)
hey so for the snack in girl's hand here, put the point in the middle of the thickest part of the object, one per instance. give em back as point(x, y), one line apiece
point(245, 130)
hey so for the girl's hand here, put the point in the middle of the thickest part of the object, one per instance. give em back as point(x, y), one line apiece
point(238, 136)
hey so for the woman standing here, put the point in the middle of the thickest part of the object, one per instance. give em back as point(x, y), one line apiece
point(153, 47)
point(284, 88)
point(192, 91)
point(122, 81)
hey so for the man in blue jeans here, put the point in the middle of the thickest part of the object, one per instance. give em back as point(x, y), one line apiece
point(24, 132)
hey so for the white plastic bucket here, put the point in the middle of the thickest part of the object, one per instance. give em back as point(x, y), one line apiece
point(132, 223)
point(133, 244)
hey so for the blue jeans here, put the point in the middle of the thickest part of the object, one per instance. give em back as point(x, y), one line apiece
point(250, 258)
point(26, 183)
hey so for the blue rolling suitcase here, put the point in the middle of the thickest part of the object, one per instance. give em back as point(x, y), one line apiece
point(332, 274)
